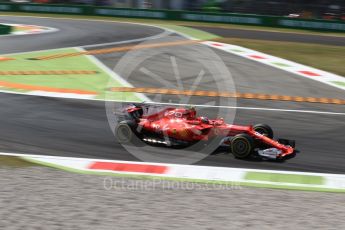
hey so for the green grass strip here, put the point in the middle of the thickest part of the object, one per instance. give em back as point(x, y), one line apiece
point(237, 50)
point(14, 162)
point(99, 82)
point(281, 64)
point(339, 83)
point(285, 178)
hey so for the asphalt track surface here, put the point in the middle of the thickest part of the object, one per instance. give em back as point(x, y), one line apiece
point(275, 36)
point(65, 127)
point(71, 33)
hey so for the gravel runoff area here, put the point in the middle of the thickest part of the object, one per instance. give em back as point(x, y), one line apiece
point(44, 198)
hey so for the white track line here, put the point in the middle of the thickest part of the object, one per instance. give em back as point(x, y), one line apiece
point(26, 52)
point(253, 108)
point(176, 104)
point(113, 75)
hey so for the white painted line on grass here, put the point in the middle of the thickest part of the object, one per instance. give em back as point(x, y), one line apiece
point(63, 95)
point(113, 75)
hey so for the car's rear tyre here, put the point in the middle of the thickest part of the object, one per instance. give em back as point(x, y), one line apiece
point(125, 133)
point(242, 145)
point(264, 129)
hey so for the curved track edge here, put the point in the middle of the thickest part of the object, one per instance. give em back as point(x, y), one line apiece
point(229, 177)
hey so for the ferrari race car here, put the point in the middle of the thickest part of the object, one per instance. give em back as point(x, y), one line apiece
point(171, 126)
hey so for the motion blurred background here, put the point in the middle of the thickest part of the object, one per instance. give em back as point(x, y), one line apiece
point(313, 9)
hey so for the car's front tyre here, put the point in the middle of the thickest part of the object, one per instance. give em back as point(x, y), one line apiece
point(242, 145)
point(264, 129)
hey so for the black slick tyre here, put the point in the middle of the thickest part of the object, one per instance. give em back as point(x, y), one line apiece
point(264, 129)
point(124, 132)
point(242, 145)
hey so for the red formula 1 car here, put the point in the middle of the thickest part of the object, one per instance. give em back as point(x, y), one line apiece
point(181, 127)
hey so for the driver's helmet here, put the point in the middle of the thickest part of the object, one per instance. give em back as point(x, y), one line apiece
point(204, 120)
point(135, 111)
point(191, 114)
